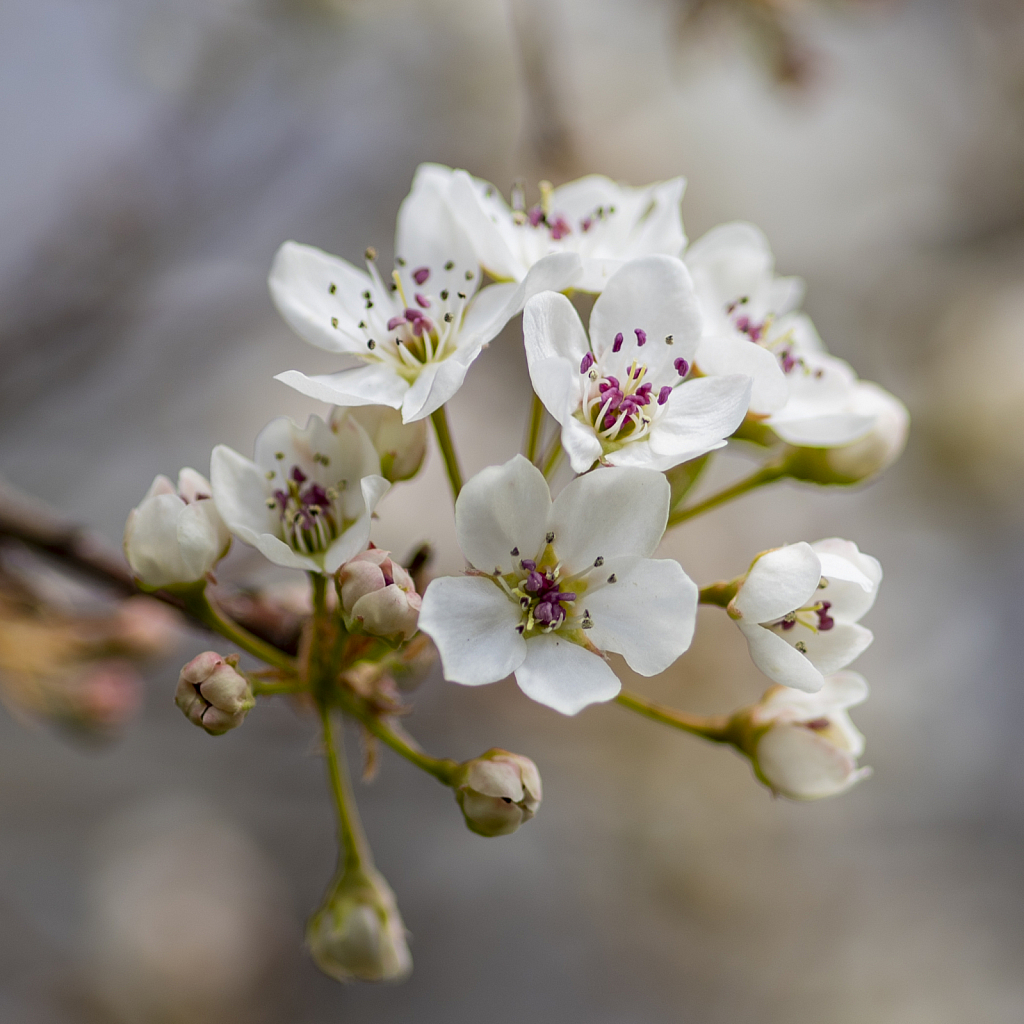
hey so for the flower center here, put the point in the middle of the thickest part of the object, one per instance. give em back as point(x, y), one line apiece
point(543, 218)
point(623, 408)
point(307, 511)
point(814, 616)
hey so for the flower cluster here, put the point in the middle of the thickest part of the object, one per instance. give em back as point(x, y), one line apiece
point(687, 349)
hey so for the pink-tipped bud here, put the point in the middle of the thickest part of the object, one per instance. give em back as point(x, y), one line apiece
point(378, 596)
point(213, 694)
point(497, 792)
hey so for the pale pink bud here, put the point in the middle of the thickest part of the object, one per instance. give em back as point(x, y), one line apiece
point(497, 792)
point(378, 596)
point(213, 694)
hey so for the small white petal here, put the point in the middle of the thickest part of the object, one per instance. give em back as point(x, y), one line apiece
point(648, 615)
point(473, 624)
point(699, 414)
point(552, 328)
point(563, 675)
point(804, 766)
point(608, 513)
point(503, 508)
point(825, 431)
point(240, 491)
point(357, 536)
point(375, 384)
point(723, 354)
point(833, 649)
point(151, 541)
point(779, 661)
point(778, 582)
point(201, 537)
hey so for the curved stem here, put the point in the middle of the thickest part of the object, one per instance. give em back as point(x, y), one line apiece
point(715, 728)
point(444, 441)
point(199, 605)
point(765, 475)
point(720, 594)
point(355, 849)
point(402, 743)
point(533, 430)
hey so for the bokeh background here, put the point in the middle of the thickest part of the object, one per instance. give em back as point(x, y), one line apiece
point(156, 152)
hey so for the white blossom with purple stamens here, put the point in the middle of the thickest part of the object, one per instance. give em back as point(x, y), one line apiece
point(408, 340)
point(752, 326)
point(799, 609)
point(604, 222)
point(306, 500)
point(553, 584)
point(624, 397)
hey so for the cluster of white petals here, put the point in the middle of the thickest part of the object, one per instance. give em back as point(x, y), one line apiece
point(306, 500)
point(623, 396)
point(751, 325)
point(176, 535)
point(806, 746)
point(554, 584)
point(407, 341)
point(800, 606)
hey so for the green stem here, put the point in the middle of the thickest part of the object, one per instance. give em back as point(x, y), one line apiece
point(199, 605)
point(443, 769)
point(720, 593)
point(262, 689)
point(553, 459)
point(533, 430)
point(444, 441)
point(715, 728)
point(351, 837)
point(765, 475)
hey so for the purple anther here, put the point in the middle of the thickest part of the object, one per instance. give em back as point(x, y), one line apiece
point(535, 216)
point(388, 580)
point(566, 596)
point(282, 498)
point(546, 613)
point(618, 342)
point(396, 321)
point(422, 301)
point(534, 582)
point(528, 564)
point(297, 475)
point(586, 224)
point(787, 623)
point(316, 495)
point(643, 393)
point(743, 324)
point(641, 337)
point(755, 332)
point(639, 372)
point(663, 394)
point(413, 314)
point(788, 361)
point(422, 326)
point(817, 724)
point(608, 422)
point(825, 621)
point(560, 228)
point(608, 383)
point(586, 363)
point(420, 275)
point(682, 366)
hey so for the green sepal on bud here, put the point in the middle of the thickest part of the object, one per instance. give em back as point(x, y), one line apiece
point(497, 792)
point(358, 933)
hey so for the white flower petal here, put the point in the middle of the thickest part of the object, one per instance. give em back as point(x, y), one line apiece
point(851, 598)
point(722, 354)
point(300, 285)
point(436, 383)
point(579, 442)
point(803, 766)
point(473, 625)
point(648, 615)
point(563, 675)
point(654, 294)
point(193, 486)
point(552, 328)
point(483, 219)
point(275, 550)
point(374, 384)
point(151, 543)
point(160, 485)
point(660, 228)
point(779, 661)
point(240, 491)
point(778, 582)
point(699, 414)
point(607, 513)
point(822, 431)
point(503, 508)
point(201, 537)
point(555, 381)
point(833, 649)
point(357, 536)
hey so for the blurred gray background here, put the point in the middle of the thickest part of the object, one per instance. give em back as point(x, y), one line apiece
point(156, 152)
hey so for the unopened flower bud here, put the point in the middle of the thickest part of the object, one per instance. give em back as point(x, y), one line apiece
point(378, 596)
point(358, 933)
point(803, 745)
point(401, 446)
point(176, 535)
point(867, 456)
point(213, 694)
point(497, 792)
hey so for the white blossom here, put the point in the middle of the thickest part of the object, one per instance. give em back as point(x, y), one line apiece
point(604, 222)
point(407, 342)
point(553, 584)
point(624, 397)
point(799, 609)
point(804, 745)
point(306, 502)
point(176, 535)
point(752, 326)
